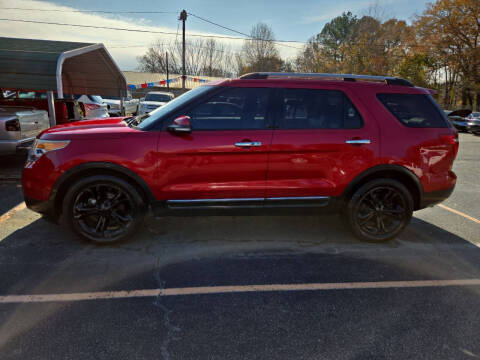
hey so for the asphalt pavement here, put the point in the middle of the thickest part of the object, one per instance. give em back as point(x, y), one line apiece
point(416, 297)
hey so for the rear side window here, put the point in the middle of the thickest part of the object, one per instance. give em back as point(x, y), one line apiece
point(317, 109)
point(414, 110)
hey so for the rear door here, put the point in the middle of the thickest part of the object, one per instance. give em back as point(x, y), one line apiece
point(224, 158)
point(320, 142)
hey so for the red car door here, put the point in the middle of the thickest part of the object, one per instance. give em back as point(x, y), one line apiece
point(224, 158)
point(320, 143)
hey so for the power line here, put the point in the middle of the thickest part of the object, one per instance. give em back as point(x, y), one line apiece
point(94, 11)
point(125, 29)
point(247, 35)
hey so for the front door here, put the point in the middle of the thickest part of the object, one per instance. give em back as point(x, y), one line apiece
point(224, 158)
point(320, 143)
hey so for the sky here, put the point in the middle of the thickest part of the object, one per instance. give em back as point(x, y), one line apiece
point(293, 20)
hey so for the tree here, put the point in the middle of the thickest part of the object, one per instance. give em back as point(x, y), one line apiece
point(259, 53)
point(202, 57)
point(450, 32)
point(351, 45)
point(415, 69)
point(327, 51)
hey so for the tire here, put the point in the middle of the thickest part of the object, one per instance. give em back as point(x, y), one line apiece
point(379, 210)
point(103, 209)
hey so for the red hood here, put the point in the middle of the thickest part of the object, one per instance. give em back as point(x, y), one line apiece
point(110, 127)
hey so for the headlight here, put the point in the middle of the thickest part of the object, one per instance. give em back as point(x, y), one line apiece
point(41, 147)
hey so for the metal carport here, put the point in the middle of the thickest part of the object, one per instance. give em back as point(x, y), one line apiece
point(59, 66)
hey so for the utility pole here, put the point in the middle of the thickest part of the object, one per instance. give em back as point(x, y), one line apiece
point(183, 17)
point(166, 57)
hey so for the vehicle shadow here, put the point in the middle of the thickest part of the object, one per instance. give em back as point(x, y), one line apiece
point(44, 257)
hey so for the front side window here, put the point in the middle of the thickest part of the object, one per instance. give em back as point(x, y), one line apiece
point(317, 109)
point(150, 120)
point(232, 109)
point(414, 110)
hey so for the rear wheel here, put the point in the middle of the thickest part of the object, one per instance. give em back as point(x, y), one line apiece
point(103, 209)
point(379, 210)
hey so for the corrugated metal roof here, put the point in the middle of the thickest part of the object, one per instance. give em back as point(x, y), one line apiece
point(32, 65)
point(44, 46)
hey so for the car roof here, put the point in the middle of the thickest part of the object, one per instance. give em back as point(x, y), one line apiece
point(320, 83)
point(160, 92)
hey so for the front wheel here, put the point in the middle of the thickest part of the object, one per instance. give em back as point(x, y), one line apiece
point(103, 209)
point(379, 210)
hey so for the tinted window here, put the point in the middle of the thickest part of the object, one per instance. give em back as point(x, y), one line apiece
point(158, 97)
point(317, 109)
point(235, 108)
point(413, 110)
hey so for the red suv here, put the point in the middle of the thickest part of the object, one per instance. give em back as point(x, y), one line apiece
point(374, 148)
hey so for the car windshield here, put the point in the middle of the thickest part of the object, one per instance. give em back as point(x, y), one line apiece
point(112, 97)
point(158, 97)
point(145, 120)
point(476, 114)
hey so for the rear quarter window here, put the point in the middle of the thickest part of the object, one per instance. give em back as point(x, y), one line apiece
point(414, 110)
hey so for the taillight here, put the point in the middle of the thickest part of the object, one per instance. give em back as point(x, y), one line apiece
point(12, 125)
point(92, 106)
point(451, 139)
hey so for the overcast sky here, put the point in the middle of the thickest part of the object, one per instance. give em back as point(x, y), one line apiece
point(290, 19)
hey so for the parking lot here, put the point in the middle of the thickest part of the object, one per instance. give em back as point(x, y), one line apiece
point(244, 287)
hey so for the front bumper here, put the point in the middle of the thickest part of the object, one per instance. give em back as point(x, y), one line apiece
point(45, 208)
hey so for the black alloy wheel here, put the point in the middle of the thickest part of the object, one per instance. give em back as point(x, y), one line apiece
point(103, 209)
point(380, 210)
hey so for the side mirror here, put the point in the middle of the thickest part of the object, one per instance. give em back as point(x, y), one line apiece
point(181, 125)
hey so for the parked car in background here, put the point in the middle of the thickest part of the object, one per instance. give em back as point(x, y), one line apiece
point(66, 110)
point(374, 150)
point(473, 123)
point(153, 100)
point(458, 119)
point(130, 105)
point(19, 125)
point(94, 106)
point(7, 94)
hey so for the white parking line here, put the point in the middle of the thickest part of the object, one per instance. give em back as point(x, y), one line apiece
point(12, 212)
point(234, 289)
point(459, 213)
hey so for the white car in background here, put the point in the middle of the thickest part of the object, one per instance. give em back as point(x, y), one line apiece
point(19, 125)
point(153, 100)
point(130, 105)
point(94, 106)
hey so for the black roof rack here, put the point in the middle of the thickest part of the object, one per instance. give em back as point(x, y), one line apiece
point(346, 77)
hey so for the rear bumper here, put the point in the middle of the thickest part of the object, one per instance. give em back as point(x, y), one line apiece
point(9, 147)
point(435, 197)
point(473, 128)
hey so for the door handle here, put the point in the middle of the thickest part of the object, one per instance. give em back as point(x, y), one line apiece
point(358, 141)
point(248, 143)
